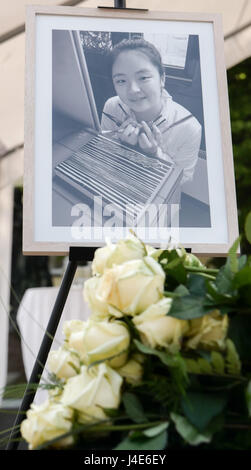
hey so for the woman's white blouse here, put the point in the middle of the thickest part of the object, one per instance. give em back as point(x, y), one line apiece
point(181, 143)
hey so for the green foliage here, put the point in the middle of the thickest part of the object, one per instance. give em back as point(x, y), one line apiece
point(243, 277)
point(247, 226)
point(201, 408)
point(53, 382)
point(187, 396)
point(192, 397)
point(199, 295)
point(144, 441)
point(240, 112)
point(189, 432)
point(233, 363)
point(218, 363)
point(190, 306)
point(134, 408)
point(248, 397)
point(156, 430)
point(176, 366)
point(173, 265)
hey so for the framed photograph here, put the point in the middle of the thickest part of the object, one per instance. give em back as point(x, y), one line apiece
point(127, 128)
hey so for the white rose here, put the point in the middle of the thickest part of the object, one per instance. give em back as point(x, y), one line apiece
point(132, 371)
point(46, 422)
point(156, 328)
point(98, 341)
point(72, 326)
point(208, 332)
point(63, 363)
point(54, 394)
point(132, 286)
point(99, 309)
point(92, 414)
point(114, 254)
point(95, 386)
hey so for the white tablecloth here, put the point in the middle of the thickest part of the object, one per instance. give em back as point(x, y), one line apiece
point(33, 316)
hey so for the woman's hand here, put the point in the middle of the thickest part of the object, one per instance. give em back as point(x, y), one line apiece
point(149, 140)
point(128, 132)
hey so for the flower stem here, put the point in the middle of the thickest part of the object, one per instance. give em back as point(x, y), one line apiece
point(124, 427)
point(202, 270)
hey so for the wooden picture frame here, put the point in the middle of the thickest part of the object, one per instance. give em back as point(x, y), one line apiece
point(212, 216)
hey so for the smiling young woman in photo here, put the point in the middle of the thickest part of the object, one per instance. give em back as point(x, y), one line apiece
point(143, 113)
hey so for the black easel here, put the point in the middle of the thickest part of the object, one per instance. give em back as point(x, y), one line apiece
point(76, 255)
point(121, 5)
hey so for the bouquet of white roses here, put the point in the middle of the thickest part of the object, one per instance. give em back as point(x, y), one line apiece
point(157, 360)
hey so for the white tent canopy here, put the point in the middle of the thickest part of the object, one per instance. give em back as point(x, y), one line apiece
point(237, 31)
point(236, 18)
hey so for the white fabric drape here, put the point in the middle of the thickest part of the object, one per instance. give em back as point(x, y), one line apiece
point(33, 316)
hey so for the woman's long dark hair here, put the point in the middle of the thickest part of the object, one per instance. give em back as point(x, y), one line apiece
point(141, 45)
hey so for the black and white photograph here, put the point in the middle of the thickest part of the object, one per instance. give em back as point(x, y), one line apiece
point(124, 124)
point(128, 129)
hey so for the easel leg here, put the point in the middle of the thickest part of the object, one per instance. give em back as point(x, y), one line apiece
point(43, 351)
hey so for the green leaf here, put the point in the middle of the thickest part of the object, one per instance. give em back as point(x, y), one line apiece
point(154, 431)
point(192, 366)
point(175, 363)
point(248, 398)
point(188, 307)
point(191, 261)
point(224, 280)
point(172, 295)
point(201, 408)
point(158, 442)
point(174, 263)
point(147, 350)
point(220, 298)
point(143, 348)
point(134, 408)
point(111, 412)
point(247, 227)
point(242, 261)
point(200, 365)
point(217, 362)
point(243, 277)
point(189, 432)
point(205, 366)
point(181, 290)
point(232, 256)
point(233, 362)
point(168, 359)
point(196, 284)
point(205, 354)
point(174, 269)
